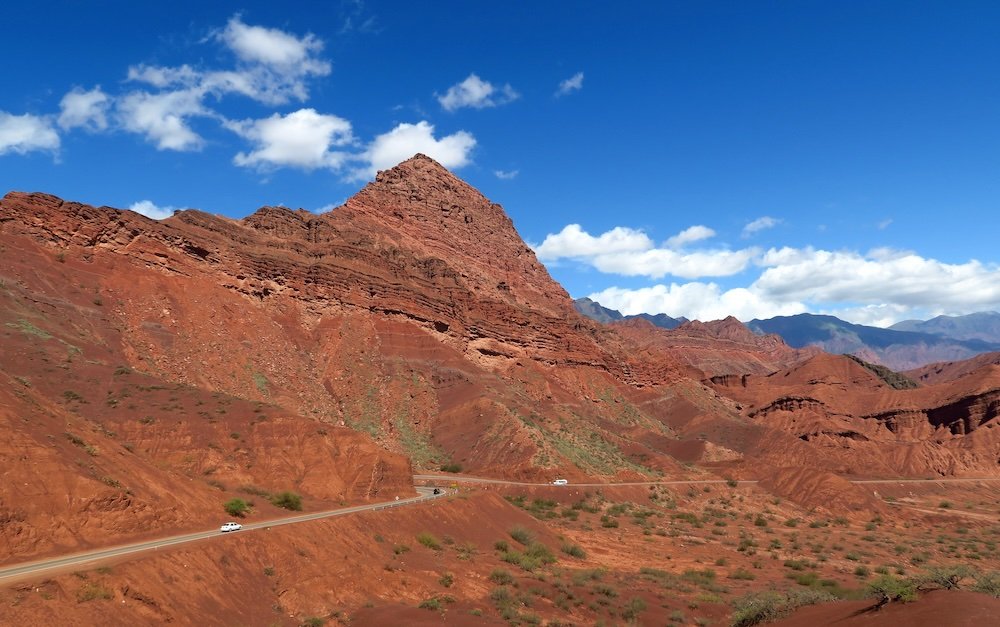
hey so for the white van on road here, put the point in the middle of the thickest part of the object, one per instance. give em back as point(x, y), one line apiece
point(560, 482)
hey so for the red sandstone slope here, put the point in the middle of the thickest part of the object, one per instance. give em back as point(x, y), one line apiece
point(414, 314)
point(720, 347)
point(950, 370)
point(859, 425)
point(349, 321)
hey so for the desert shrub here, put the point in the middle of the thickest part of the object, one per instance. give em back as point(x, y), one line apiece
point(753, 609)
point(429, 541)
point(760, 607)
point(91, 591)
point(501, 577)
point(947, 577)
point(632, 608)
point(501, 545)
point(888, 588)
point(521, 534)
point(447, 580)
point(451, 467)
point(987, 583)
point(430, 604)
point(605, 590)
point(573, 550)
point(466, 550)
point(287, 500)
point(236, 507)
point(501, 595)
point(399, 549)
point(743, 574)
point(540, 552)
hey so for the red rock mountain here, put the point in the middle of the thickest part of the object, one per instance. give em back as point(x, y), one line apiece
point(151, 369)
point(717, 348)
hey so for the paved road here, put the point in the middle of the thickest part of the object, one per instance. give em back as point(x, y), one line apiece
point(468, 479)
point(9, 574)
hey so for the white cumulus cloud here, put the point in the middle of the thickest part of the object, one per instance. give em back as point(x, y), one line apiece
point(696, 301)
point(571, 84)
point(404, 141)
point(691, 234)
point(574, 242)
point(26, 133)
point(630, 252)
point(881, 276)
point(273, 47)
point(151, 210)
point(760, 224)
point(660, 262)
point(163, 117)
point(303, 139)
point(84, 109)
point(476, 93)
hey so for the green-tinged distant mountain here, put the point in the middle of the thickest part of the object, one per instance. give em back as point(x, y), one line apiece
point(595, 311)
point(896, 349)
point(983, 325)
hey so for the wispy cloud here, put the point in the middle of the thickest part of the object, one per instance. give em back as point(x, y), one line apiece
point(506, 175)
point(760, 224)
point(571, 84)
point(690, 235)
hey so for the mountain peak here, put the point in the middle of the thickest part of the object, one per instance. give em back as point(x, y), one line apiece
point(419, 205)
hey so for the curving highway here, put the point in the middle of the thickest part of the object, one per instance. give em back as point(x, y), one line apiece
point(9, 574)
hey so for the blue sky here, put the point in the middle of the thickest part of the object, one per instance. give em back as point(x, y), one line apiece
point(693, 158)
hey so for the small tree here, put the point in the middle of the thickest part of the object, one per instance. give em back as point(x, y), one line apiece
point(236, 507)
point(887, 589)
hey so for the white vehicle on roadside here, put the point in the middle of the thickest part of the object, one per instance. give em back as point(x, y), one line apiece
point(560, 482)
point(230, 526)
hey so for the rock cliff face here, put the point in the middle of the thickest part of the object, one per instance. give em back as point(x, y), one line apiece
point(860, 425)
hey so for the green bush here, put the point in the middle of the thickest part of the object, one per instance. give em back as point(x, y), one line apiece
point(540, 552)
point(451, 467)
point(430, 604)
point(760, 607)
point(429, 540)
point(236, 507)
point(888, 588)
point(287, 500)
